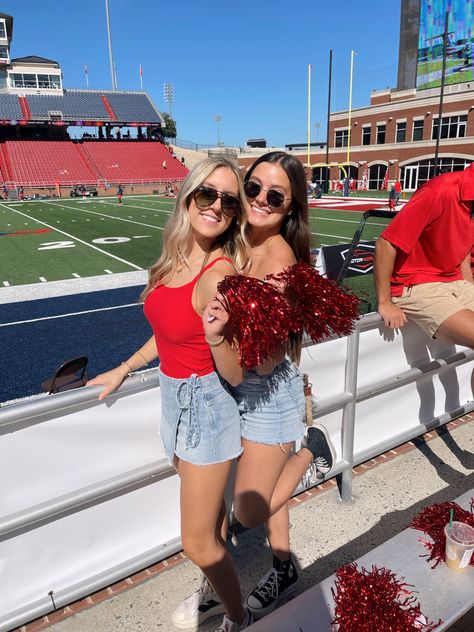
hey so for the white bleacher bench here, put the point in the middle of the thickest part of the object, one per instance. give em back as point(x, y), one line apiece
point(442, 593)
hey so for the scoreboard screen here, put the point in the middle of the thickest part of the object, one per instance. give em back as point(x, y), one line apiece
point(460, 44)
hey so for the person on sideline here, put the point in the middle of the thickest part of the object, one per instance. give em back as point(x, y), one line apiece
point(422, 260)
point(398, 192)
point(391, 198)
point(271, 398)
point(200, 425)
point(119, 193)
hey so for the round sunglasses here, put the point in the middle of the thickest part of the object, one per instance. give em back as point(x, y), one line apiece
point(204, 197)
point(275, 198)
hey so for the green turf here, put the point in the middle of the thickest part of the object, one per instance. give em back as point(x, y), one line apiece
point(71, 248)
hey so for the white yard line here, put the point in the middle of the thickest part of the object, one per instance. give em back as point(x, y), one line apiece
point(345, 237)
point(87, 311)
point(346, 221)
point(104, 215)
point(129, 263)
point(146, 208)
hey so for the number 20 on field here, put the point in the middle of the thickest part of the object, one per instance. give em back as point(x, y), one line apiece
point(54, 245)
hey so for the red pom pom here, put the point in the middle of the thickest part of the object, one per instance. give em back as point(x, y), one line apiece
point(321, 305)
point(260, 317)
point(432, 521)
point(375, 600)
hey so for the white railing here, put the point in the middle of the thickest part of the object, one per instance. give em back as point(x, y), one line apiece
point(91, 498)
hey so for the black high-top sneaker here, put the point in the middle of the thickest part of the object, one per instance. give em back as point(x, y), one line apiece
point(318, 442)
point(278, 583)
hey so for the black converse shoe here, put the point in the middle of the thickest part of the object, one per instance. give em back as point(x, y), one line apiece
point(278, 583)
point(317, 441)
point(198, 607)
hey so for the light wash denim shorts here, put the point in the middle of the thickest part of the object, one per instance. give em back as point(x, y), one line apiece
point(272, 407)
point(200, 421)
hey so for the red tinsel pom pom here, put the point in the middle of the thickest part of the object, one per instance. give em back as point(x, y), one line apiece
point(259, 316)
point(375, 600)
point(321, 305)
point(432, 521)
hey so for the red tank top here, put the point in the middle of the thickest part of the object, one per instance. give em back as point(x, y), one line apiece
point(179, 334)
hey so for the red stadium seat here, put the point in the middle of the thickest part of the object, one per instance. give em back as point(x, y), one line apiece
point(119, 161)
point(46, 162)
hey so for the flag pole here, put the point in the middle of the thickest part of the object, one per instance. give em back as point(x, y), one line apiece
point(111, 55)
point(141, 77)
point(309, 113)
point(86, 72)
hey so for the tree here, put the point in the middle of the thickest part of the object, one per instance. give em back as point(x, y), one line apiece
point(170, 126)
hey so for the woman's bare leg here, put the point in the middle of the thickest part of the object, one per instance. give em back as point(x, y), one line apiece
point(203, 486)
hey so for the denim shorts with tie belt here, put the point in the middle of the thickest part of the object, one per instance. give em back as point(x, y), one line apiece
point(200, 421)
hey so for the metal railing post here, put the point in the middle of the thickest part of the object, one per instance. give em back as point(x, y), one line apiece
point(348, 415)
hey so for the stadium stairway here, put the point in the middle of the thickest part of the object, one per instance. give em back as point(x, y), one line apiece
point(191, 157)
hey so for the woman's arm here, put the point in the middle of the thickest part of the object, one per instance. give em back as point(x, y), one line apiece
point(113, 379)
point(215, 319)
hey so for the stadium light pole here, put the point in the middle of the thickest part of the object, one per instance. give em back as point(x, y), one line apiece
point(218, 119)
point(168, 92)
point(111, 55)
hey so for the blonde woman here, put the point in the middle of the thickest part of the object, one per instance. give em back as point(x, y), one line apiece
point(271, 398)
point(200, 424)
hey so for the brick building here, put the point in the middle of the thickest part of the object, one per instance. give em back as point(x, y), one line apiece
point(398, 130)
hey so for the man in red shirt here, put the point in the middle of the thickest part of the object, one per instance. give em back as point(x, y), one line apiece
point(398, 191)
point(422, 260)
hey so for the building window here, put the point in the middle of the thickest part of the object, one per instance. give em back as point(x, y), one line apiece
point(380, 134)
point(19, 80)
point(342, 138)
point(4, 54)
point(418, 130)
point(451, 127)
point(376, 176)
point(401, 132)
point(366, 135)
point(425, 170)
point(3, 30)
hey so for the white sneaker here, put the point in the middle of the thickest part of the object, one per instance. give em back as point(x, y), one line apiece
point(231, 626)
point(198, 607)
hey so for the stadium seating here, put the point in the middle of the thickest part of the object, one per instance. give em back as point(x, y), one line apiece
point(121, 161)
point(84, 105)
point(132, 107)
point(47, 162)
point(10, 109)
point(74, 105)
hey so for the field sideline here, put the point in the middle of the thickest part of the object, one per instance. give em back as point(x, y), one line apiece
point(50, 240)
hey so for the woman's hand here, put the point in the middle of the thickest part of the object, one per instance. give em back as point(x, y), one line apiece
point(214, 318)
point(111, 380)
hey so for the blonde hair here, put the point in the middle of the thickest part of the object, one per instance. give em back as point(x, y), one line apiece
point(178, 237)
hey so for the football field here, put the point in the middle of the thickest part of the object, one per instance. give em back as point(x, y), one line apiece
point(83, 243)
point(50, 240)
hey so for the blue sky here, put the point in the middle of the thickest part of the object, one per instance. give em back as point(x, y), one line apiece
point(245, 61)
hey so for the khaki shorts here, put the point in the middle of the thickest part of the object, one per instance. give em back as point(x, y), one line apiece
point(430, 304)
